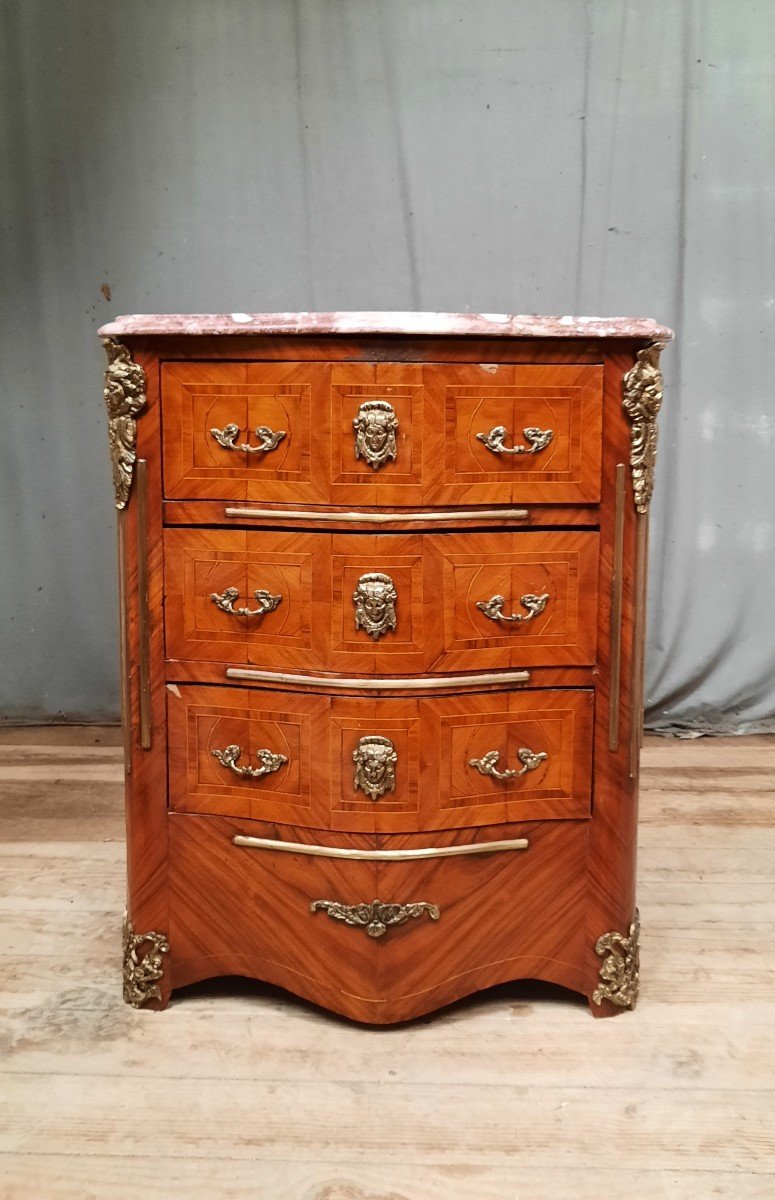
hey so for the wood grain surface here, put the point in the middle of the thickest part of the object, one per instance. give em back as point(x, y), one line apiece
point(446, 396)
point(440, 409)
point(435, 785)
point(439, 580)
point(514, 1092)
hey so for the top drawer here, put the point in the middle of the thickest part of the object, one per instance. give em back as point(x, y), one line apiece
point(382, 433)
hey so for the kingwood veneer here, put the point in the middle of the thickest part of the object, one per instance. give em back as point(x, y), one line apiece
point(382, 581)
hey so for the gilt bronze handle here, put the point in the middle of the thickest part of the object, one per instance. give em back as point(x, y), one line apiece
point(375, 917)
point(267, 439)
point(269, 762)
point(267, 602)
point(493, 608)
point(487, 764)
point(539, 439)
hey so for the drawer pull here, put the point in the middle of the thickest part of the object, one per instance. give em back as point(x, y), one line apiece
point(269, 762)
point(375, 598)
point(376, 917)
point(267, 602)
point(374, 683)
point(493, 608)
point(375, 433)
point(411, 855)
point(375, 761)
point(268, 439)
point(539, 439)
point(381, 518)
point(487, 764)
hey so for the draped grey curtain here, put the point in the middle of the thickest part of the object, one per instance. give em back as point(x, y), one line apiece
point(499, 155)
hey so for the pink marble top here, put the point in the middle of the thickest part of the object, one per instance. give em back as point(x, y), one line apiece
point(362, 323)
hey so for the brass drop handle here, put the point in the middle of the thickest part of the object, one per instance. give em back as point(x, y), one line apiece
point(538, 440)
point(269, 762)
point(267, 602)
point(268, 439)
point(375, 917)
point(493, 608)
point(487, 764)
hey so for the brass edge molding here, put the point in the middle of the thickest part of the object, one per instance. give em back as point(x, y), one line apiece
point(620, 968)
point(387, 684)
point(375, 918)
point(617, 583)
point(639, 642)
point(315, 851)
point(143, 964)
point(125, 399)
point(642, 399)
point(124, 653)
point(144, 620)
point(381, 518)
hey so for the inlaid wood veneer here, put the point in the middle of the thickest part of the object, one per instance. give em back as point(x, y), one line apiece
point(382, 582)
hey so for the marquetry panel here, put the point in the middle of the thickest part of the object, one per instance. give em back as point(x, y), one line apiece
point(397, 720)
point(438, 580)
point(197, 397)
point(456, 729)
point(475, 568)
point(397, 481)
point(201, 562)
point(236, 910)
point(203, 719)
point(416, 640)
point(463, 401)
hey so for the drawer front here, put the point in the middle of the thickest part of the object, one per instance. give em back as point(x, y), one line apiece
point(453, 925)
point(391, 434)
point(211, 410)
point(519, 434)
point(380, 765)
point(248, 753)
point(381, 603)
point(237, 597)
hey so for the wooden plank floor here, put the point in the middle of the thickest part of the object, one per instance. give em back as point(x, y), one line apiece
point(243, 1093)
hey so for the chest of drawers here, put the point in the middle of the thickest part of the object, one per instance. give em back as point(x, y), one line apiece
point(382, 584)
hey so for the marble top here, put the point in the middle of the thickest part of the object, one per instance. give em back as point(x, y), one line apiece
point(361, 323)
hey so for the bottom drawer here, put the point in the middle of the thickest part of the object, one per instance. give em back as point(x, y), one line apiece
point(449, 926)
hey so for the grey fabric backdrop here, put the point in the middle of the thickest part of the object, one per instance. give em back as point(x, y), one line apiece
point(499, 155)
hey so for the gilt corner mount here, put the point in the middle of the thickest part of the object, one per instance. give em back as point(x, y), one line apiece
point(620, 968)
point(642, 400)
point(125, 399)
point(143, 964)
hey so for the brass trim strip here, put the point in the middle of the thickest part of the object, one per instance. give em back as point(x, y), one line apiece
point(144, 625)
point(254, 843)
point(639, 641)
point(123, 645)
point(373, 684)
point(382, 518)
point(617, 582)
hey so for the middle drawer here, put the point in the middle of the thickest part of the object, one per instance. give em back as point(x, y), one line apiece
point(380, 765)
point(381, 603)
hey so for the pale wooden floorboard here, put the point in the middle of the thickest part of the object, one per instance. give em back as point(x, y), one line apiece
point(240, 1091)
